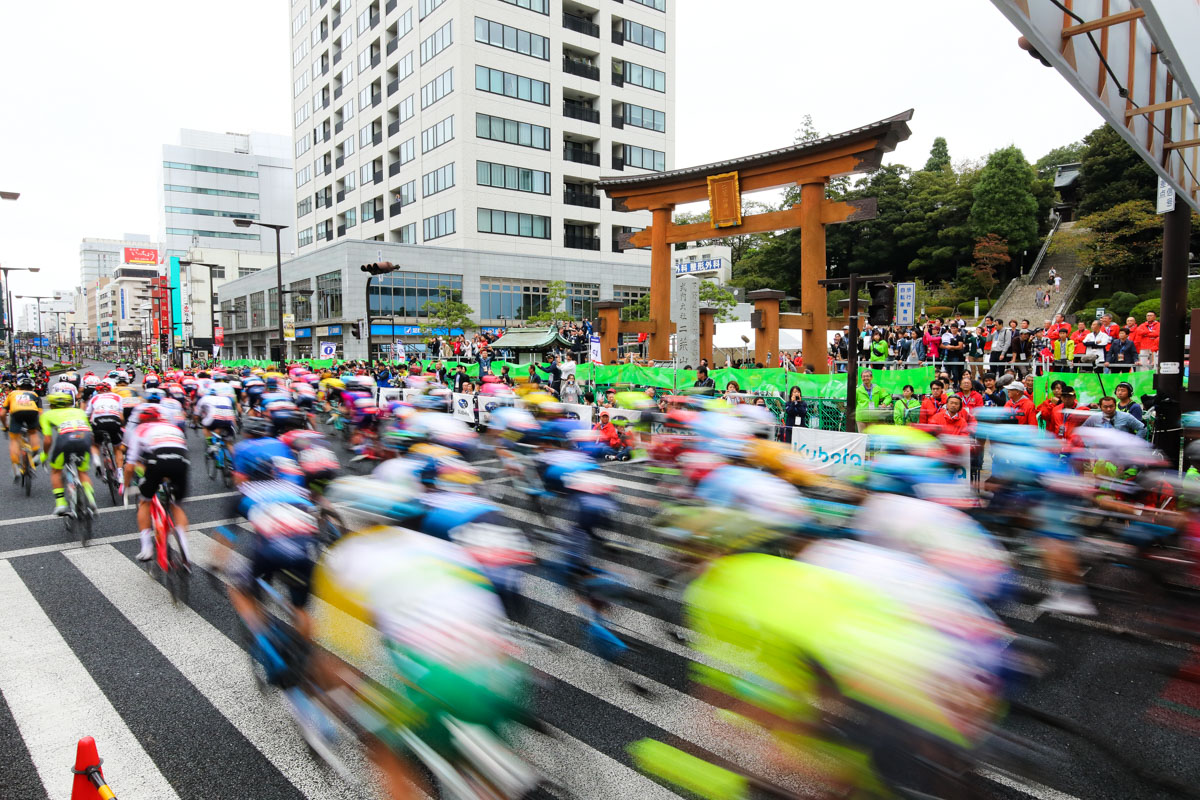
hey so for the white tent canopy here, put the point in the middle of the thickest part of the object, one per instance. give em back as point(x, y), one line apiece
point(729, 337)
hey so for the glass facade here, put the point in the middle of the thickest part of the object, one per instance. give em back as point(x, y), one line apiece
point(580, 297)
point(405, 294)
point(301, 304)
point(329, 295)
point(506, 298)
point(258, 307)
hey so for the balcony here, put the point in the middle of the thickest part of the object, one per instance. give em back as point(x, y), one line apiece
point(338, 127)
point(339, 162)
point(392, 45)
point(341, 195)
point(616, 246)
point(394, 209)
point(571, 22)
point(393, 86)
point(618, 79)
point(374, 20)
point(341, 231)
point(577, 242)
point(337, 56)
point(328, 234)
point(375, 59)
point(618, 163)
point(376, 99)
point(575, 111)
point(581, 156)
point(378, 177)
point(393, 169)
point(573, 198)
point(393, 128)
point(618, 37)
point(389, 8)
point(580, 68)
point(337, 20)
point(618, 119)
point(337, 93)
point(377, 138)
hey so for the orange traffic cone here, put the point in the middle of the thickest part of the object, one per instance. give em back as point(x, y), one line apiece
point(89, 778)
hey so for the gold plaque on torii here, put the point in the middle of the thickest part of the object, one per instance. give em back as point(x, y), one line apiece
point(725, 200)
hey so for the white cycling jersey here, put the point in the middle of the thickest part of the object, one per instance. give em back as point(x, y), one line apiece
point(153, 437)
point(104, 404)
point(215, 408)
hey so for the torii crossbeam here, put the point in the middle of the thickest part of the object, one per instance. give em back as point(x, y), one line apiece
point(810, 165)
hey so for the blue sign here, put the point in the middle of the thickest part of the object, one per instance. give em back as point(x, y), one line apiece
point(122, 304)
point(335, 330)
point(383, 329)
point(707, 265)
point(906, 303)
point(496, 331)
point(303, 333)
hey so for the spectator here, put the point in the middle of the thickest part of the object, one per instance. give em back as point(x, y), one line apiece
point(1111, 417)
point(952, 419)
point(966, 393)
point(879, 350)
point(1066, 416)
point(610, 399)
point(974, 343)
point(1125, 401)
point(907, 409)
point(1046, 408)
point(932, 340)
point(1062, 350)
point(570, 390)
point(954, 351)
point(460, 377)
point(1096, 344)
point(1021, 352)
point(702, 379)
point(993, 395)
point(731, 389)
point(1122, 353)
point(795, 413)
point(1108, 326)
point(555, 374)
point(870, 396)
point(932, 403)
point(505, 377)
point(839, 351)
point(1021, 404)
point(1147, 340)
point(613, 442)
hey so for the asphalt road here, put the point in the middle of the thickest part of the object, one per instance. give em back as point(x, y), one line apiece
point(90, 645)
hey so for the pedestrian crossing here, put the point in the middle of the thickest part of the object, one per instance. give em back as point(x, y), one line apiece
point(91, 645)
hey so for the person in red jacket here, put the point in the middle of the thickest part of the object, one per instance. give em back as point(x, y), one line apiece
point(952, 419)
point(1021, 405)
point(970, 398)
point(932, 403)
point(610, 437)
point(1147, 339)
point(1046, 408)
point(1067, 416)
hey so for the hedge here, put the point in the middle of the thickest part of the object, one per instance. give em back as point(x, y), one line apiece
point(968, 306)
point(1139, 311)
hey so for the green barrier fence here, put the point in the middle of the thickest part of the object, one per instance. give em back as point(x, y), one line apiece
point(1091, 386)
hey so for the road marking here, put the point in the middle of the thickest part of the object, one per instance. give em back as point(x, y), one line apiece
point(109, 510)
point(212, 663)
point(55, 702)
point(1027, 787)
point(120, 537)
point(582, 770)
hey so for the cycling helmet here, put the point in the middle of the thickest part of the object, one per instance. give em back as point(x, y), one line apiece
point(286, 419)
point(150, 414)
point(103, 386)
point(272, 384)
point(150, 381)
point(153, 395)
point(25, 382)
point(257, 427)
point(60, 400)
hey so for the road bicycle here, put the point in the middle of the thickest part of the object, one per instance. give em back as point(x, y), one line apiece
point(108, 470)
point(173, 568)
point(26, 465)
point(219, 459)
point(79, 516)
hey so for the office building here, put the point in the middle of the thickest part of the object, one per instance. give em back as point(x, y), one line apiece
point(99, 258)
point(479, 124)
point(208, 179)
point(200, 282)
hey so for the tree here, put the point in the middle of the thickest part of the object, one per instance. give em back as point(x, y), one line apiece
point(1066, 154)
point(991, 255)
point(637, 310)
point(1122, 244)
point(553, 306)
point(718, 297)
point(1113, 173)
point(935, 227)
point(939, 156)
point(1004, 201)
point(449, 313)
point(740, 245)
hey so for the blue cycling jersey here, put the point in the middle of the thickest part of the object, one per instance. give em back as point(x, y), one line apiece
point(250, 455)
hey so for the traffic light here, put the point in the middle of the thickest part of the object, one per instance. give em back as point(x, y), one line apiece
point(381, 268)
point(883, 304)
point(356, 329)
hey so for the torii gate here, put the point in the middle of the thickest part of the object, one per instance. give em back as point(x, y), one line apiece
point(809, 165)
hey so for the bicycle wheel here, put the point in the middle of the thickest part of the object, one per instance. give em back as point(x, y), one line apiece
point(210, 465)
point(83, 515)
point(227, 468)
point(330, 527)
point(110, 475)
point(70, 490)
point(178, 573)
point(26, 472)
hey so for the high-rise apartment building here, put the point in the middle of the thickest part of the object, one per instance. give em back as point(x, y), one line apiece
point(478, 124)
point(208, 179)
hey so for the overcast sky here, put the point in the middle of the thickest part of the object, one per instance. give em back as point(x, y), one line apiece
point(92, 90)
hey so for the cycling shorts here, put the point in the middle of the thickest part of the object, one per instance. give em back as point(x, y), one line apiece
point(167, 464)
point(221, 426)
point(23, 422)
point(294, 555)
point(79, 443)
point(111, 428)
point(127, 411)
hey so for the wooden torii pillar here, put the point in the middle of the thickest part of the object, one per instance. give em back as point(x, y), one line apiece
point(809, 165)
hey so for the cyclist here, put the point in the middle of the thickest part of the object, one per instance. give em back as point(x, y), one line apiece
point(129, 400)
point(90, 380)
point(63, 386)
point(66, 430)
point(216, 412)
point(108, 420)
point(21, 410)
point(160, 449)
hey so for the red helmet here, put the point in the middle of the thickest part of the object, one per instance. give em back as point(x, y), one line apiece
point(150, 414)
point(103, 386)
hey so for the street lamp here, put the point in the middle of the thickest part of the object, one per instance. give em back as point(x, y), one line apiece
point(39, 299)
point(11, 325)
point(214, 320)
point(242, 222)
point(9, 195)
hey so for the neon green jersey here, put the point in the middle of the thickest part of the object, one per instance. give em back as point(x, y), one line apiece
point(65, 421)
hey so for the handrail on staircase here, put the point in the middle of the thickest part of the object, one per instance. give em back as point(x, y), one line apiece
point(1028, 277)
point(1068, 296)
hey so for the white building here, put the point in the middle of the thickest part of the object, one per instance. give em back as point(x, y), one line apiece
point(201, 282)
point(99, 258)
point(210, 178)
point(117, 302)
point(479, 124)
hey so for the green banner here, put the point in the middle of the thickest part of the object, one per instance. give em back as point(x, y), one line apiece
point(1091, 386)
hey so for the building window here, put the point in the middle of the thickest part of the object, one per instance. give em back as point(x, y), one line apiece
point(346, 76)
point(512, 223)
point(243, 173)
point(645, 158)
point(513, 39)
point(208, 212)
point(244, 271)
point(628, 295)
point(170, 187)
point(408, 234)
point(404, 67)
point(505, 83)
point(349, 181)
point(437, 88)
point(350, 218)
point(273, 306)
point(580, 297)
point(437, 41)
point(437, 135)
point(426, 7)
point(439, 225)
point(301, 304)
point(239, 314)
point(519, 179)
point(439, 180)
point(323, 229)
point(227, 317)
point(510, 131)
point(299, 53)
point(347, 111)
point(364, 135)
point(329, 295)
point(408, 150)
point(300, 20)
point(303, 143)
point(258, 303)
point(405, 294)
point(404, 24)
point(510, 298)
point(648, 118)
point(303, 113)
point(637, 33)
point(657, 5)
point(540, 6)
point(407, 194)
point(347, 38)
point(348, 147)
point(367, 211)
point(300, 84)
point(366, 173)
point(213, 234)
point(304, 237)
point(364, 21)
point(405, 111)
point(644, 77)
point(303, 175)
point(304, 207)
point(364, 60)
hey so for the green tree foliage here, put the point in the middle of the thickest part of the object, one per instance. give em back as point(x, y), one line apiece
point(715, 296)
point(1066, 154)
point(935, 226)
point(1113, 173)
point(939, 156)
point(449, 313)
point(553, 306)
point(1122, 245)
point(637, 310)
point(1120, 304)
point(1004, 201)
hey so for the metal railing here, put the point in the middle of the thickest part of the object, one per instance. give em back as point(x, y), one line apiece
point(1037, 264)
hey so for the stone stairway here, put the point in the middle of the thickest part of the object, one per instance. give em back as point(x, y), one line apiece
point(1020, 302)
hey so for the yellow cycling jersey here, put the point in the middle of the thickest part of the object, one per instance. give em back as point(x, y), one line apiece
point(22, 400)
